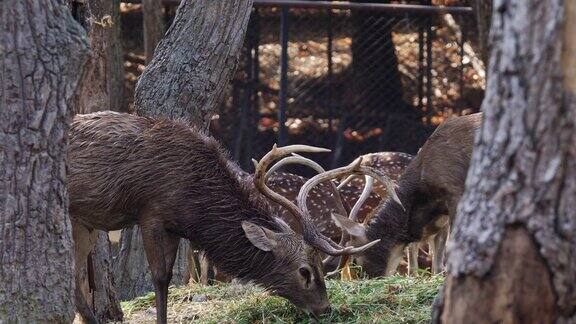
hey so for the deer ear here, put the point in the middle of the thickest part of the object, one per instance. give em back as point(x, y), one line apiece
point(349, 226)
point(261, 237)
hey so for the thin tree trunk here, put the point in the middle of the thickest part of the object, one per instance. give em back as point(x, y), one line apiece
point(102, 90)
point(42, 53)
point(512, 255)
point(191, 68)
point(153, 26)
point(483, 10)
point(104, 75)
point(106, 303)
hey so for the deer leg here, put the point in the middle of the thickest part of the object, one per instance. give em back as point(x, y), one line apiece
point(413, 249)
point(439, 247)
point(190, 276)
point(161, 248)
point(205, 265)
point(84, 241)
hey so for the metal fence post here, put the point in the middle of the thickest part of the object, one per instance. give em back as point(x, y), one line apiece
point(330, 67)
point(429, 37)
point(282, 132)
point(462, 42)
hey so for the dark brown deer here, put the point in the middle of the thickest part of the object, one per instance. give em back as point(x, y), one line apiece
point(175, 182)
point(429, 189)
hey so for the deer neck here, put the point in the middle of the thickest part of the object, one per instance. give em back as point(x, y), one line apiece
point(217, 228)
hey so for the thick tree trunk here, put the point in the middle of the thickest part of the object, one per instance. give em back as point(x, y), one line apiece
point(194, 62)
point(42, 52)
point(191, 68)
point(153, 26)
point(512, 255)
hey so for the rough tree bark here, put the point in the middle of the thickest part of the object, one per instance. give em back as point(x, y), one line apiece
point(42, 52)
point(512, 257)
point(194, 61)
point(104, 297)
point(104, 75)
point(186, 79)
point(102, 89)
point(153, 26)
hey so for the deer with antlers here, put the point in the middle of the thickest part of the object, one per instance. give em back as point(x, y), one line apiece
point(427, 196)
point(326, 199)
point(323, 199)
point(175, 182)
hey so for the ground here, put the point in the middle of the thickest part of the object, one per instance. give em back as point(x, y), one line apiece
point(396, 299)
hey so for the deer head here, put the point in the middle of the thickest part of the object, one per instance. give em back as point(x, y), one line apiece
point(429, 189)
point(300, 278)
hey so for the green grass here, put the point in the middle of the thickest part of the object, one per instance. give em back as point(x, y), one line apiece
point(396, 299)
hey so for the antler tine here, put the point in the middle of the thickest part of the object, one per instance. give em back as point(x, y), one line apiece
point(368, 185)
point(295, 159)
point(260, 176)
point(345, 181)
point(382, 177)
point(298, 159)
point(356, 168)
point(317, 239)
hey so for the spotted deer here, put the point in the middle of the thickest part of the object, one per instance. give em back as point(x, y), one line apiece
point(428, 194)
point(326, 199)
point(175, 182)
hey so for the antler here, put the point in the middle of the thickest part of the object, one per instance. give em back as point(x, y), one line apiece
point(298, 159)
point(368, 185)
point(355, 167)
point(260, 177)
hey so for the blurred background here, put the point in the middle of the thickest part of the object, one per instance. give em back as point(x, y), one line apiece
point(350, 76)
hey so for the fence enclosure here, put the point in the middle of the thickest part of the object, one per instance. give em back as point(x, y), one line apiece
point(353, 77)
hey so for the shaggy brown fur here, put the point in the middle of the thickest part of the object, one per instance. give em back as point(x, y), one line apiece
point(177, 183)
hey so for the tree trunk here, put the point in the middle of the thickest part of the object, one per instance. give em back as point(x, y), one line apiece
point(512, 256)
point(103, 85)
point(194, 62)
point(191, 68)
point(153, 26)
point(106, 303)
point(42, 53)
point(104, 75)
point(483, 10)
point(378, 93)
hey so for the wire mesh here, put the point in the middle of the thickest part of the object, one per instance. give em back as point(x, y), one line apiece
point(355, 81)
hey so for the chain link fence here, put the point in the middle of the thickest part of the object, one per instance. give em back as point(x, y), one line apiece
point(352, 77)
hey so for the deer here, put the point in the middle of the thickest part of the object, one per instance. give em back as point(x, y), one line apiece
point(428, 193)
point(324, 201)
point(174, 181)
point(326, 198)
